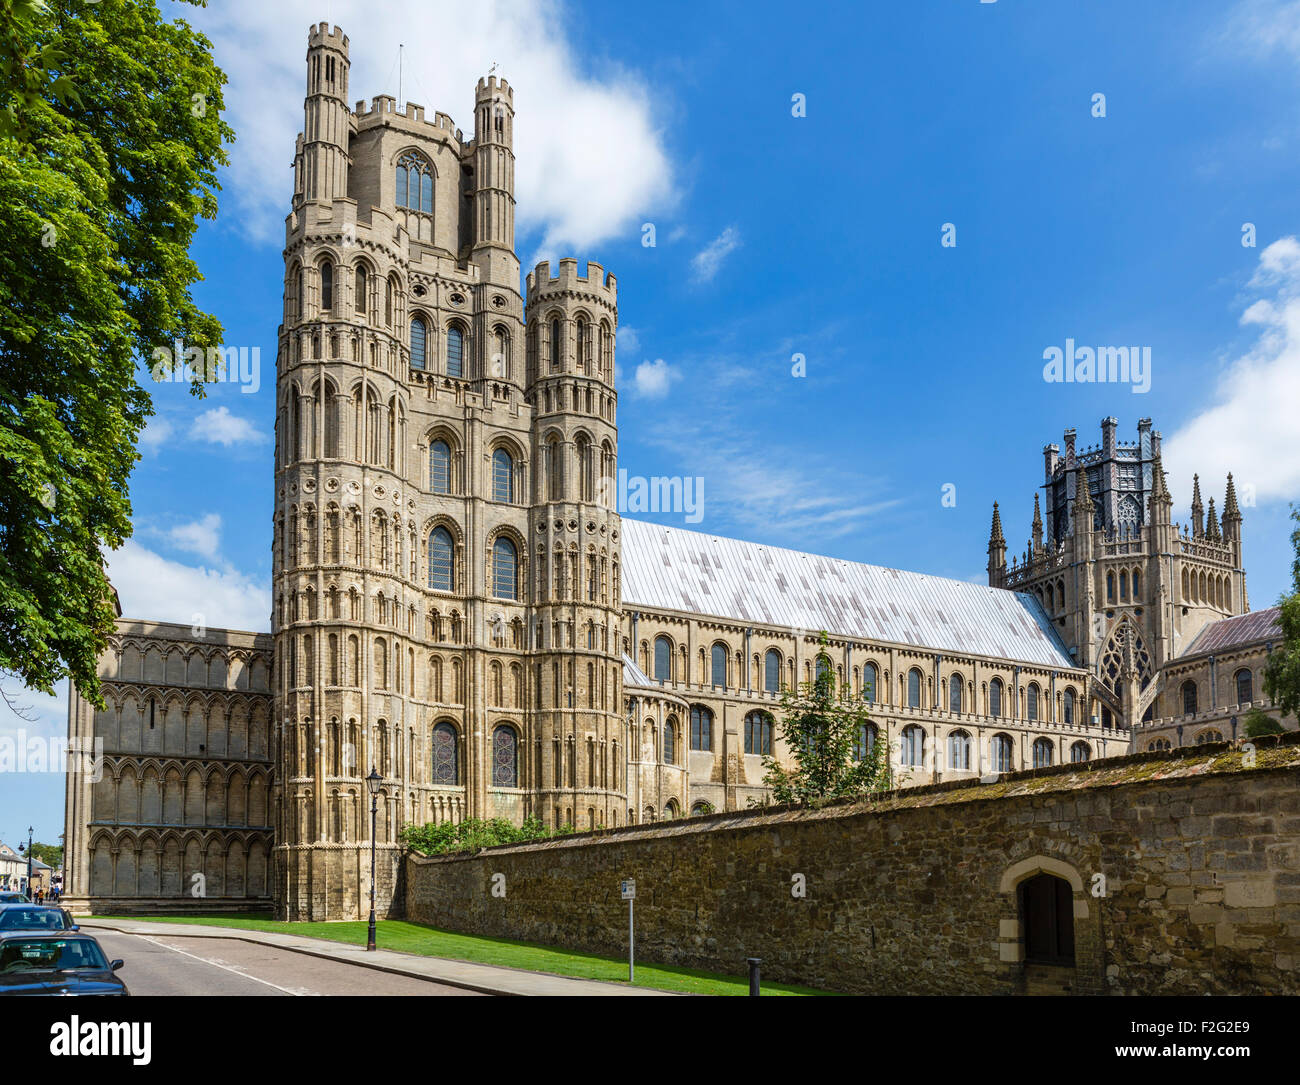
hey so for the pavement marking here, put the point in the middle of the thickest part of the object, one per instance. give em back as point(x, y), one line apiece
point(297, 991)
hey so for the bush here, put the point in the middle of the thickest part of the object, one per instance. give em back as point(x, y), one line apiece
point(474, 834)
point(1259, 723)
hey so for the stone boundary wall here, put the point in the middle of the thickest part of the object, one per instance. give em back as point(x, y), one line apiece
point(1183, 872)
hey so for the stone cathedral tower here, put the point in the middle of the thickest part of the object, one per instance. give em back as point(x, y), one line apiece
point(446, 556)
point(1127, 588)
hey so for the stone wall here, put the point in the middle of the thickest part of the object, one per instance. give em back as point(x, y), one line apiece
point(1183, 874)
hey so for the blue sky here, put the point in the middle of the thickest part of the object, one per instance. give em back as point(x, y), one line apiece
point(817, 236)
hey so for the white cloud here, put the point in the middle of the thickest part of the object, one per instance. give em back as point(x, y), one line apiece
point(708, 260)
point(155, 434)
point(653, 379)
point(591, 160)
point(42, 715)
point(1266, 25)
point(627, 339)
point(202, 536)
point(151, 586)
point(219, 427)
point(1252, 428)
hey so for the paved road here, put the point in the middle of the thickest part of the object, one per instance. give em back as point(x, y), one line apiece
point(175, 965)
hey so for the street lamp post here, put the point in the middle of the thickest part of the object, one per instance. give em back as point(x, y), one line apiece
point(372, 782)
point(30, 894)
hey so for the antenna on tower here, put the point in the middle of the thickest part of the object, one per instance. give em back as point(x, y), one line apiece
point(400, 47)
point(493, 70)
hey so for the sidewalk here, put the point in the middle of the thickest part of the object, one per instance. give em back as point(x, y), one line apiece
point(485, 978)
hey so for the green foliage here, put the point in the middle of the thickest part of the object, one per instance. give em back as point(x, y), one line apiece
point(109, 149)
point(49, 854)
point(1282, 670)
point(821, 727)
point(1258, 723)
point(473, 834)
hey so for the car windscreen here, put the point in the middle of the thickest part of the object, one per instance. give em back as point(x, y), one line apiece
point(31, 919)
point(46, 954)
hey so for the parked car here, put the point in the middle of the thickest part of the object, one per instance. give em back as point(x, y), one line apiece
point(10, 896)
point(63, 963)
point(35, 917)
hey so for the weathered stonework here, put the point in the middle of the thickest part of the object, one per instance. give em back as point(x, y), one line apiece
point(1183, 874)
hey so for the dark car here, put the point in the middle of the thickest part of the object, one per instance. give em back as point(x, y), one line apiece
point(65, 964)
point(35, 917)
point(9, 896)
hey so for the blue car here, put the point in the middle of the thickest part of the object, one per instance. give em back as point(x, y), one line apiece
point(35, 917)
point(63, 964)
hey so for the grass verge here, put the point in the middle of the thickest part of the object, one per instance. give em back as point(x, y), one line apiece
point(404, 937)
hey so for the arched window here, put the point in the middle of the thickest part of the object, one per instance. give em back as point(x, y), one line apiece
point(1137, 586)
point(1209, 735)
point(772, 670)
point(1080, 751)
point(1001, 753)
point(419, 344)
point(954, 693)
point(701, 728)
point(503, 476)
point(1042, 752)
point(414, 183)
point(359, 292)
point(870, 683)
point(455, 352)
point(864, 741)
point(440, 467)
point(995, 697)
point(1189, 698)
point(823, 667)
point(699, 809)
point(663, 659)
point(720, 665)
point(446, 762)
point(555, 343)
point(505, 564)
point(441, 555)
point(670, 742)
point(912, 746)
point(505, 757)
point(1068, 705)
point(959, 750)
point(1110, 587)
point(914, 688)
point(758, 733)
point(1123, 584)
point(1158, 744)
point(327, 286)
point(1031, 701)
point(1245, 687)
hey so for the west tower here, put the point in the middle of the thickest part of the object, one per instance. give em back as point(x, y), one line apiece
point(446, 585)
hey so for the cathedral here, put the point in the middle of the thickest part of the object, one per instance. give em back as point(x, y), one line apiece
point(459, 606)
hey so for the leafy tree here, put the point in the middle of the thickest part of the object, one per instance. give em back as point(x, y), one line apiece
point(825, 729)
point(1258, 723)
point(50, 854)
point(1282, 671)
point(110, 140)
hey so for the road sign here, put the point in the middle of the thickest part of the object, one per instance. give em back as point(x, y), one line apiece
point(629, 888)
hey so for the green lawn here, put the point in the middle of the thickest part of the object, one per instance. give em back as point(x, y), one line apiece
point(406, 937)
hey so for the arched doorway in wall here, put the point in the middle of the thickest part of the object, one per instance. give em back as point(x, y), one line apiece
point(1044, 932)
point(1046, 906)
